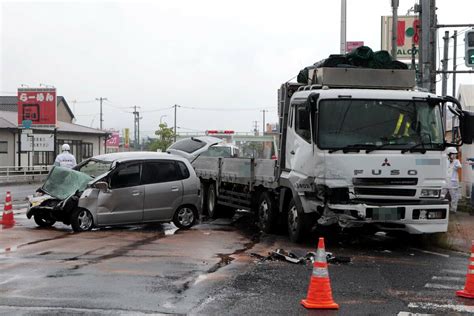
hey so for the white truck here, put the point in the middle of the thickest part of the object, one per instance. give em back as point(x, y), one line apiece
point(357, 148)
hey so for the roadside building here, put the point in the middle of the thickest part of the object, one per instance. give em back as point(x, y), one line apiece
point(84, 141)
point(466, 97)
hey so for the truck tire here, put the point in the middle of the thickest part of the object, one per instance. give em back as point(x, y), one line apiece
point(212, 207)
point(203, 201)
point(266, 213)
point(296, 222)
point(43, 220)
point(81, 220)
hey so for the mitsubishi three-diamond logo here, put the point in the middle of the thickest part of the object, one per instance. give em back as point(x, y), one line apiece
point(386, 163)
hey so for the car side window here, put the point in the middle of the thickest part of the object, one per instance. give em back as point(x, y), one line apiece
point(160, 171)
point(184, 170)
point(127, 176)
point(302, 122)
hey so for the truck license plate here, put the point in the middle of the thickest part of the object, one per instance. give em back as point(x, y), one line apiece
point(385, 214)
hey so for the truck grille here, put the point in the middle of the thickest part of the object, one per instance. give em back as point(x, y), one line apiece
point(385, 191)
point(385, 181)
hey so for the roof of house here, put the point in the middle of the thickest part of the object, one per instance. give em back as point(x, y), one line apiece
point(8, 119)
point(10, 103)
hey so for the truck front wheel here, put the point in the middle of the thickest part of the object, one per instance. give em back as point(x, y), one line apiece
point(296, 223)
point(267, 214)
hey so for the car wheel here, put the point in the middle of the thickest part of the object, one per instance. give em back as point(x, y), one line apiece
point(212, 209)
point(185, 217)
point(43, 220)
point(267, 214)
point(296, 224)
point(81, 220)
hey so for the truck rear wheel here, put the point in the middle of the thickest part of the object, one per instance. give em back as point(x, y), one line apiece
point(212, 209)
point(296, 222)
point(267, 213)
point(203, 201)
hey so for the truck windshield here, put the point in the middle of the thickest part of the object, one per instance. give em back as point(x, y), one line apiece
point(391, 124)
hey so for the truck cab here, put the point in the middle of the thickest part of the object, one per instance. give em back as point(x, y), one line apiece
point(364, 147)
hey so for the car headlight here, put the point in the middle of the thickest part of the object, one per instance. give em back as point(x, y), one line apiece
point(430, 193)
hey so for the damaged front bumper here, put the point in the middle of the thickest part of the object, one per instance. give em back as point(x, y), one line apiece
point(417, 217)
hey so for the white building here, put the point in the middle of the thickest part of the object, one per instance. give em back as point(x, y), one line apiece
point(85, 142)
point(466, 97)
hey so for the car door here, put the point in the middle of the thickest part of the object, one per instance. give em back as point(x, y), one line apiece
point(123, 203)
point(163, 190)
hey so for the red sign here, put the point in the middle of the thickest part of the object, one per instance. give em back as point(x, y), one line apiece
point(114, 140)
point(350, 46)
point(37, 105)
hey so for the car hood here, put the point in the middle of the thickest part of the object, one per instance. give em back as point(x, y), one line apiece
point(64, 182)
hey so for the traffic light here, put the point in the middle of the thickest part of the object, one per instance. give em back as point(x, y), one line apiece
point(469, 48)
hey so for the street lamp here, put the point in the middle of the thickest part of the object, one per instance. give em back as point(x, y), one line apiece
point(161, 117)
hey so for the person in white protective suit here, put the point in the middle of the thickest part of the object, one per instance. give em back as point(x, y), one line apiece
point(452, 177)
point(65, 159)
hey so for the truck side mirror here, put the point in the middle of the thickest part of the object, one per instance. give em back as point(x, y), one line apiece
point(313, 101)
point(467, 127)
point(102, 186)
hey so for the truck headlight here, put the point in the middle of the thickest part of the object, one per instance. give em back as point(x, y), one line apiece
point(430, 193)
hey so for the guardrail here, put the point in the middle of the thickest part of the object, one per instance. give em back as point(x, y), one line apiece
point(23, 173)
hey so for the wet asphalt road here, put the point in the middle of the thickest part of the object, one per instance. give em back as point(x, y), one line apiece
point(214, 269)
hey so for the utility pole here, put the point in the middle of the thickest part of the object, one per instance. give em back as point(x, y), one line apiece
point(343, 26)
point(455, 37)
point(175, 108)
point(264, 126)
point(444, 82)
point(255, 127)
point(101, 99)
point(136, 127)
point(394, 28)
point(427, 61)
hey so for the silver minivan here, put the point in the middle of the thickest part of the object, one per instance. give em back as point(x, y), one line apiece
point(123, 188)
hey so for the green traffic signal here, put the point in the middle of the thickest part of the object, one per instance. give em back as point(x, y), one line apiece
point(470, 56)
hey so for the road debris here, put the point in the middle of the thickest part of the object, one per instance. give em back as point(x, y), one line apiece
point(297, 258)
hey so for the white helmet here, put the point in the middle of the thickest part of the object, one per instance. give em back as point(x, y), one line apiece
point(451, 150)
point(65, 147)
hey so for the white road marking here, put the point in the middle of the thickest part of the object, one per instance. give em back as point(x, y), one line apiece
point(442, 286)
point(447, 278)
point(460, 272)
point(452, 307)
point(431, 252)
point(412, 314)
point(67, 310)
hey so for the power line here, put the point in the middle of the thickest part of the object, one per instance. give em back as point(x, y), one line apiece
point(223, 109)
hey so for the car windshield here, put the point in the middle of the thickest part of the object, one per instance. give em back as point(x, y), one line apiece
point(64, 182)
point(218, 151)
point(393, 124)
point(188, 145)
point(94, 167)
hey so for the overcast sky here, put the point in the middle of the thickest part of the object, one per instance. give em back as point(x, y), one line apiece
point(207, 55)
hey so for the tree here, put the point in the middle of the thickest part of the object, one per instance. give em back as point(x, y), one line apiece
point(165, 138)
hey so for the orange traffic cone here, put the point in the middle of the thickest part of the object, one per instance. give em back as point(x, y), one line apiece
point(319, 291)
point(469, 286)
point(7, 217)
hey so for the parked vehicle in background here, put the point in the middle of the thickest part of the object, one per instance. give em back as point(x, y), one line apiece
point(118, 189)
point(191, 148)
point(358, 148)
point(222, 150)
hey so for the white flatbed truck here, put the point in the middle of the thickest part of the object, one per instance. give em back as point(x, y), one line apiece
point(360, 148)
